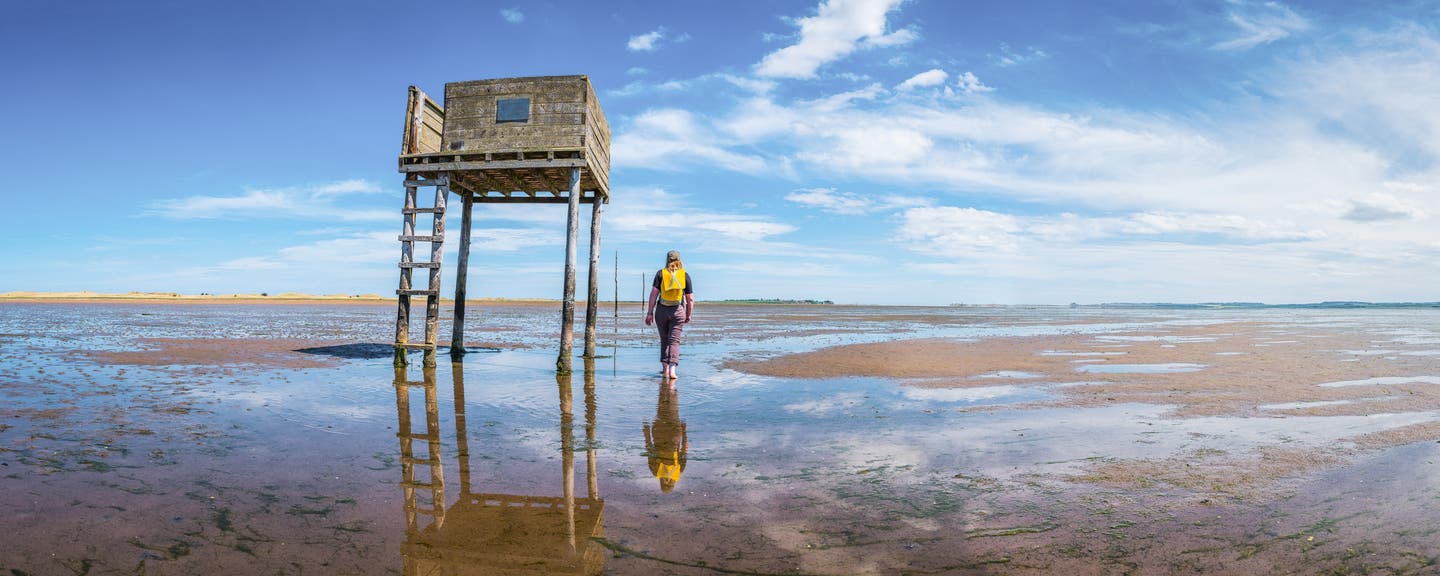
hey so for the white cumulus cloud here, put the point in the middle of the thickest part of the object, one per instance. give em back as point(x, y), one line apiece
point(837, 29)
point(647, 42)
point(927, 78)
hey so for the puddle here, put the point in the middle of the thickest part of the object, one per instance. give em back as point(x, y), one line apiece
point(1164, 368)
point(1011, 374)
point(1384, 381)
point(1302, 405)
point(986, 395)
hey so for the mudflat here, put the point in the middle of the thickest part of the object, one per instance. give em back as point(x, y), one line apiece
point(142, 437)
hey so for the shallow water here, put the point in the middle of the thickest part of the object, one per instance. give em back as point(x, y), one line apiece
point(356, 467)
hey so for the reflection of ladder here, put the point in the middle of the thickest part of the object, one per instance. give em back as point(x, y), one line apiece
point(408, 238)
point(431, 459)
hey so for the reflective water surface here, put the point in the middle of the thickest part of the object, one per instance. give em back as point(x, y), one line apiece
point(220, 447)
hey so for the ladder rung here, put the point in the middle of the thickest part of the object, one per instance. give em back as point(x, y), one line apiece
point(422, 210)
point(435, 182)
point(414, 383)
point(414, 436)
point(417, 485)
point(404, 238)
point(414, 460)
point(419, 264)
point(417, 292)
point(411, 345)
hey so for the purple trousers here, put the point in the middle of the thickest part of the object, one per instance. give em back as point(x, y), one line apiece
point(667, 319)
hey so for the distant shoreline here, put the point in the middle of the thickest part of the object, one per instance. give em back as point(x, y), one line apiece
point(303, 298)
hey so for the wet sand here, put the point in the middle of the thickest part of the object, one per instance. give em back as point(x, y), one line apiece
point(869, 441)
point(1241, 369)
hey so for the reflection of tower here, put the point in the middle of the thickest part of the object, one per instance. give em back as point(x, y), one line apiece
point(666, 440)
point(484, 533)
point(431, 439)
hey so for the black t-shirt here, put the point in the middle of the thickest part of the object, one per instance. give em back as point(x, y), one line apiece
point(658, 282)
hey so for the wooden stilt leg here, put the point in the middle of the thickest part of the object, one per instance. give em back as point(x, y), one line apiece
point(592, 298)
point(457, 335)
point(567, 307)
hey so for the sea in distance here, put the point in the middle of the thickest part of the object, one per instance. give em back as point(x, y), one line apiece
point(199, 438)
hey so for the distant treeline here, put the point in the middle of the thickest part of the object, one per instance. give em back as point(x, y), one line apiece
point(1212, 305)
point(771, 301)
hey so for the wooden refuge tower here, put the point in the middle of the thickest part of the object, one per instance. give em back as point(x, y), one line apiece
point(537, 140)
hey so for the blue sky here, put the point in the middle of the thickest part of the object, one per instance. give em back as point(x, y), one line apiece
point(862, 151)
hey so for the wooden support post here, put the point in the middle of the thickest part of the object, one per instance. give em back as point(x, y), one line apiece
point(457, 335)
point(432, 302)
point(592, 298)
point(567, 307)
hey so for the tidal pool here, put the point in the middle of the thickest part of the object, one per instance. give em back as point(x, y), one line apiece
point(336, 461)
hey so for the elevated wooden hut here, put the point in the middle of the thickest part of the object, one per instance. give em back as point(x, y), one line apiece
point(536, 140)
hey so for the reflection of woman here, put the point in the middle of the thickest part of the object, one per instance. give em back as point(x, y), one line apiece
point(670, 305)
point(666, 441)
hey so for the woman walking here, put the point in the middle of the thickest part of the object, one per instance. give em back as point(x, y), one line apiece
point(671, 306)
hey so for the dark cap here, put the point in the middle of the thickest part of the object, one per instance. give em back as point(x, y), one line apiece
point(672, 255)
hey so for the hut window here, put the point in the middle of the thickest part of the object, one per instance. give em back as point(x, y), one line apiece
point(512, 110)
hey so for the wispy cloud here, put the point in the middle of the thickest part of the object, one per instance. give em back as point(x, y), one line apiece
point(1379, 207)
point(673, 138)
point(277, 203)
point(847, 203)
point(1257, 23)
point(1010, 57)
point(836, 30)
point(927, 78)
point(653, 212)
point(647, 42)
point(969, 84)
point(512, 15)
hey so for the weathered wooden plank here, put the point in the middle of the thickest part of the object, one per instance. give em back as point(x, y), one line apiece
point(572, 86)
point(424, 124)
point(414, 182)
point(495, 165)
point(488, 122)
point(417, 211)
point(417, 292)
point(419, 264)
point(491, 141)
point(567, 307)
point(529, 200)
point(433, 238)
point(486, 108)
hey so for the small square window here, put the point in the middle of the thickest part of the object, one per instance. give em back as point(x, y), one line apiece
point(512, 110)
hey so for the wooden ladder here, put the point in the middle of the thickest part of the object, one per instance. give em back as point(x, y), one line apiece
point(408, 238)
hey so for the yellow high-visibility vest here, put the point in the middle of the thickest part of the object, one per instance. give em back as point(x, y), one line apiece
point(672, 284)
